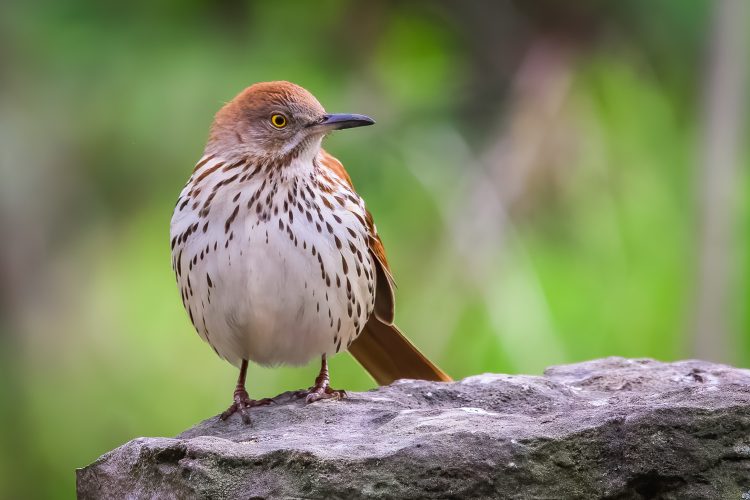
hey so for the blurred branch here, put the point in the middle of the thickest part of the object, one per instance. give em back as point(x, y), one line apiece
point(478, 228)
point(723, 108)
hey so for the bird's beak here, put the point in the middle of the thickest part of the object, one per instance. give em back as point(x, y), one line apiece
point(341, 120)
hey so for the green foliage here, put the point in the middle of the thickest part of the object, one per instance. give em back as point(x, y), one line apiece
point(110, 105)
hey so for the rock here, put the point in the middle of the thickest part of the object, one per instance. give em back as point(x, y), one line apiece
point(611, 428)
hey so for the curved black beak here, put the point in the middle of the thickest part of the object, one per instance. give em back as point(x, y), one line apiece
point(340, 121)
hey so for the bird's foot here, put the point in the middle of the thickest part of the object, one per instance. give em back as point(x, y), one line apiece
point(320, 391)
point(241, 404)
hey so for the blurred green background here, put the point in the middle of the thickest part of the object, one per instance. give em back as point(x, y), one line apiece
point(554, 182)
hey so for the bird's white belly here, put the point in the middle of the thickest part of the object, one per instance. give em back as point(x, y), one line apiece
point(275, 307)
point(276, 288)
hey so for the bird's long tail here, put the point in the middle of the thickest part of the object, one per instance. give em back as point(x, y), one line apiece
point(388, 355)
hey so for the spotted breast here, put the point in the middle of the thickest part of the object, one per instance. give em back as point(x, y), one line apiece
point(273, 263)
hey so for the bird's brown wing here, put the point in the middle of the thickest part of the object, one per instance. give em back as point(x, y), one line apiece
point(381, 348)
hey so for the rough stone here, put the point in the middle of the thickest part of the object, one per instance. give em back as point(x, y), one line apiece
point(612, 428)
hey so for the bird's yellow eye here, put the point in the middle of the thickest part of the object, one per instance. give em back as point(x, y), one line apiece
point(278, 121)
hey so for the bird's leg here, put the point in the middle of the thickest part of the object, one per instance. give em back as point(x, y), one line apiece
point(322, 388)
point(241, 399)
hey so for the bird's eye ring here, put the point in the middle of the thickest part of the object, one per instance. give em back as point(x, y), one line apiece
point(278, 121)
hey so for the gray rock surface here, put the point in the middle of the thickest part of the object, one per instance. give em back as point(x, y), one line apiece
point(612, 428)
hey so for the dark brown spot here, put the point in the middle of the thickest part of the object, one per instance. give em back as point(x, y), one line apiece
point(208, 172)
point(179, 264)
point(234, 165)
point(231, 218)
point(203, 162)
point(344, 264)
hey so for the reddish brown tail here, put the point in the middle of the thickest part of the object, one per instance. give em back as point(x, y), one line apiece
point(387, 355)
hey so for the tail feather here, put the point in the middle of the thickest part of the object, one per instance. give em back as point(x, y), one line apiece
point(387, 355)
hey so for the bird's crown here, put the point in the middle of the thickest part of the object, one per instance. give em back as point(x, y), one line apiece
point(274, 119)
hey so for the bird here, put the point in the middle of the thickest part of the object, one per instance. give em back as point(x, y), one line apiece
point(277, 259)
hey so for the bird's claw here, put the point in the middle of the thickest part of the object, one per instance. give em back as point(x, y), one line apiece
point(316, 393)
point(241, 404)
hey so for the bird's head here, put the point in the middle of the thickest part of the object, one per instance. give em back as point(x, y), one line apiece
point(275, 120)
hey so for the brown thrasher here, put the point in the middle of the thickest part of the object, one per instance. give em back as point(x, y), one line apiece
point(276, 256)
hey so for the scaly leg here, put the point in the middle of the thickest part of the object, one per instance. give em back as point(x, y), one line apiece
point(241, 399)
point(322, 388)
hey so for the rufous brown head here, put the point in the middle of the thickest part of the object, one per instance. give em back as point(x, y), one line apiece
point(275, 119)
